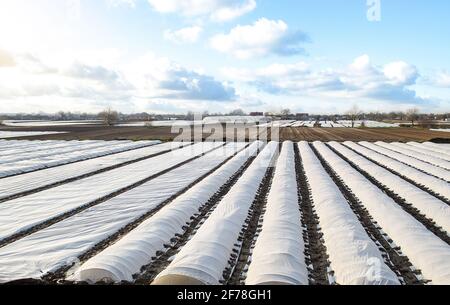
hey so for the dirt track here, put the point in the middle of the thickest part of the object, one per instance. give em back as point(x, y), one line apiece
point(95, 132)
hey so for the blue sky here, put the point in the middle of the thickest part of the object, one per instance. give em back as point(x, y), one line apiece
point(218, 55)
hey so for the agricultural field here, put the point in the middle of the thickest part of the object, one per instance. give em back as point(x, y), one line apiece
point(339, 134)
point(337, 124)
point(236, 213)
point(164, 132)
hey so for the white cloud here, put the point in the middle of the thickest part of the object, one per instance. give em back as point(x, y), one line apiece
point(152, 83)
point(360, 79)
point(76, 82)
point(259, 39)
point(184, 35)
point(400, 73)
point(6, 60)
point(226, 13)
point(216, 10)
point(442, 79)
point(361, 63)
point(116, 3)
point(161, 78)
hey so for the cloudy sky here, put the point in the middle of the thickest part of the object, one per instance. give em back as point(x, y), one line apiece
point(218, 55)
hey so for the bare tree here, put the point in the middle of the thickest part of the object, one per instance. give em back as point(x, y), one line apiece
point(285, 112)
point(237, 112)
point(354, 114)
point(109, 116)
point(412, 114)
point(190, 116)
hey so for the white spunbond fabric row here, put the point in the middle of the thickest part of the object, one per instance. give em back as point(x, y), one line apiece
point(354, 256)
point(278, 256)
point(50, 151)
point(126, 257)
point(427, 204)
point(17, 134)
point(431, 182)
point(22, 213)
point(443, 146)
point(413, 162)
point(34, 180)
point(425, 250)
point(61, 243)
point(33, 147)
point(44, 147)
point(75, 156)
point(6, 146)
point(439, 157)
point(206, 255)
point(437, 152)
point(414, 154)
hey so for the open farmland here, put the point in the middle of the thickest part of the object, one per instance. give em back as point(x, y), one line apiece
point(287, 132)
point(231, 213)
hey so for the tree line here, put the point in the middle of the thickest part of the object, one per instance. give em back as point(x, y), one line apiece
point(109, 116)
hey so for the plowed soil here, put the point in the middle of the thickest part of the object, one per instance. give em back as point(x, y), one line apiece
point(96, 132)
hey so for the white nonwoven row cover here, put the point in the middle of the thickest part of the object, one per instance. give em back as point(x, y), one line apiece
point(427, 204)
point(8, 146)
point(33, 164)
point(21, 155)
point(354, 257)
point(439, 157)
point(437, 185)
point(29, 181)
point(61, 244)
point(425, 250)
point(16, 134)
point(126, 257)
point(22, 213)
point(406, 150)
point(413, 162)
point(206, 255)
point(278, 256)
point(438, 152)
point(11, 148)
point(442, 146)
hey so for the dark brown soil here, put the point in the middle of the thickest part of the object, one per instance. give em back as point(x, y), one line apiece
point(398, 262)
point(362, 134)
point(241, 256)
point(315, 250)
point(99, 132)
